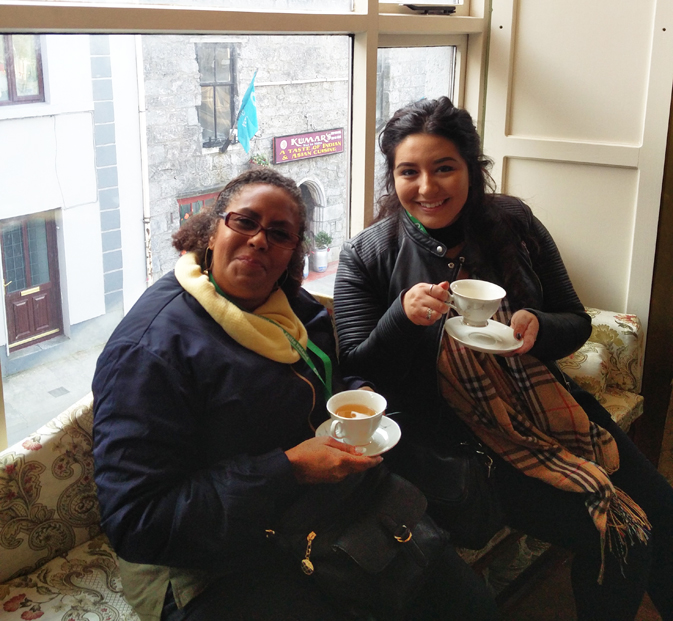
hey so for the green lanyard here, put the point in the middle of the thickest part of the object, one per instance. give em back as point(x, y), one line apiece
point(327, 382)
point(417, 223)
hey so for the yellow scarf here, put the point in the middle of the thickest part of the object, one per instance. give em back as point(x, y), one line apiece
point(247, 329)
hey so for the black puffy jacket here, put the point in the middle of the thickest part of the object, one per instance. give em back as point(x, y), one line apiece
point(378, 341)
point(190, 429)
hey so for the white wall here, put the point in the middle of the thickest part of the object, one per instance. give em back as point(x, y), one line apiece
point(84, 262)
point(577, 107)
point(47, 162)
point(28, 167)
point(83, 268)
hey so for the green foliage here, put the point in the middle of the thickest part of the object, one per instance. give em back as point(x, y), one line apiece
point(322, 239)
point(260, 160)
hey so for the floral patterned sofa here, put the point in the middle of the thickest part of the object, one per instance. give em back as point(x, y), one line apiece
point(54, 561)
point(56, 564)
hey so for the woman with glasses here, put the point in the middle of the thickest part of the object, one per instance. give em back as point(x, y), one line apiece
point(204, 411)
point(206, 401)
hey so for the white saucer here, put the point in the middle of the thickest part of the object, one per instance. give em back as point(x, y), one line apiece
point(495, 338)
point(385, 437)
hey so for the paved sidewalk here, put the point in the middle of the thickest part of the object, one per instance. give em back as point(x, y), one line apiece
point(33, 397)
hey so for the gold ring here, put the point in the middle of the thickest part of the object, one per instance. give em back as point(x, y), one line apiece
point(428, 314)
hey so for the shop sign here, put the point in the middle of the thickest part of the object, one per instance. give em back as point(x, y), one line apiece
point(302, 146)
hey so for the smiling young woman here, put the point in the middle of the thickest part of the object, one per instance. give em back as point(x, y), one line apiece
point(564, 471)
point(431, 179)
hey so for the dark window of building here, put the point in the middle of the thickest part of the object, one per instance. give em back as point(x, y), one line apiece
point(193, 204)
point(20, 69)
point(218, 75)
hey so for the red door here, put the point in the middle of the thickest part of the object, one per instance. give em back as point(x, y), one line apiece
point(31, 280)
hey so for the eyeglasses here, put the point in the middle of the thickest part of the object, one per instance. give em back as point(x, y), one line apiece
point(249, 227)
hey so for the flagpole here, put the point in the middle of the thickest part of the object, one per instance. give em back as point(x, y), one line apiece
point(233, 130)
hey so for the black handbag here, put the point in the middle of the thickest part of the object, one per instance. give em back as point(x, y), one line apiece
point(457, 481)
point(366, 542)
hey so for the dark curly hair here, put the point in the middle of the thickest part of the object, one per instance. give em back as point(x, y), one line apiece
point(195, 234)
point(487, 229)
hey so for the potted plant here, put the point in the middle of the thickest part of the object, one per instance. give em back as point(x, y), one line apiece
point(321, 242)
point(258, 161)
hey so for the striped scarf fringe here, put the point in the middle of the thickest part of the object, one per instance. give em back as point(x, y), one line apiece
point(528, 418)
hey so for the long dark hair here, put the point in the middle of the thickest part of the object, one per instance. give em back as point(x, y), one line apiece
point(195, 234)
point(437, 117)
point(487, 229)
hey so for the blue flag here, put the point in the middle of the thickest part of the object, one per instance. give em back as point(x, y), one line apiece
point(247, 116)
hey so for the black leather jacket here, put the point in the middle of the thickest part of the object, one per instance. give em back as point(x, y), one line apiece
point(379, 342)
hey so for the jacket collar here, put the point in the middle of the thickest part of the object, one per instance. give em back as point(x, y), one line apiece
point(424, 240)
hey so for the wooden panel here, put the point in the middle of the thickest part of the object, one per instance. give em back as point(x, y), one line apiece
point(20, 326)
point(41, 315)
point(567, 87)
point(601, 201)
point(658, 366)
point(587, 84)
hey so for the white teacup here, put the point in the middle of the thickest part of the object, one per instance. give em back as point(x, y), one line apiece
point(475, 300)
point(356, 415)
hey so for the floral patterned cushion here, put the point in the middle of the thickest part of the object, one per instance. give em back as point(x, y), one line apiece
point(589, 367)
point(624, 406)
point(48, 501)
point(613, 355)
point(471, 556)
point(82, 584)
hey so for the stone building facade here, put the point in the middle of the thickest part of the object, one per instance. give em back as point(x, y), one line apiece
point(302, 85)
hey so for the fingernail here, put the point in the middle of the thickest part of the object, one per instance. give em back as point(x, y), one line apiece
point(518, 336)
point(360, 449)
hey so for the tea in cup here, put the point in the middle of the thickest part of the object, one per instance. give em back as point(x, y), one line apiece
point(475, 300)
point(356, 415)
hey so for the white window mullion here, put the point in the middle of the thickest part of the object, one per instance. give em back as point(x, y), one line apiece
point(365, 48)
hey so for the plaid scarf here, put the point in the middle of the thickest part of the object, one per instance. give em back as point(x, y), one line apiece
point(528, 418)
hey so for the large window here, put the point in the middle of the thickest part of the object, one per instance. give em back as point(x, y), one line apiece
point(121, 135)
point(217, 69)
point(20, 69)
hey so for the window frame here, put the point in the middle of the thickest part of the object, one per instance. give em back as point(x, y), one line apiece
point(14, 98)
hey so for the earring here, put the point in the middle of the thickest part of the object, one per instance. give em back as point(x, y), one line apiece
point(208, 263)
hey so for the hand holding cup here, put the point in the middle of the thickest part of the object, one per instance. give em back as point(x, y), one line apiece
point(425, 303)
